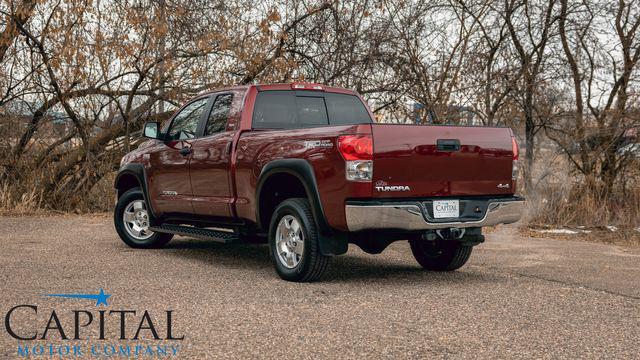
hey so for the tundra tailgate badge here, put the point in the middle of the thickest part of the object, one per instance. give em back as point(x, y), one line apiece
point(393, 188)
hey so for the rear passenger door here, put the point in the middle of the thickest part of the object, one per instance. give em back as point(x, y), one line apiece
point(211, 159)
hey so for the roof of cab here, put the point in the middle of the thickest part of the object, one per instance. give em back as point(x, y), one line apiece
point(301, 86)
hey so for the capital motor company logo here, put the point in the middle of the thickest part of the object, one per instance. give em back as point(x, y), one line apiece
point(91, 332)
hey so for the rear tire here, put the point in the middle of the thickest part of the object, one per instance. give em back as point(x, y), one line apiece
point(135, 232)
point(440, 256)
point(293, 242)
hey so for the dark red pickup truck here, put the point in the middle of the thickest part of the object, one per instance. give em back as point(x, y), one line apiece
point(305, 168)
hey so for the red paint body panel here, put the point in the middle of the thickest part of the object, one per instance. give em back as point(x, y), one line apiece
point(257, 148)
point(167, 170)
point(407, 155)
point(220, 176)
point(210, 165)
point(209, 170)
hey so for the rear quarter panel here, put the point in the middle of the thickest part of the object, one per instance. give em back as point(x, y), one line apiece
point(257, 148)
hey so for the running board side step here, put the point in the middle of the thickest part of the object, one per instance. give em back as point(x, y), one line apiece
point(209, 234)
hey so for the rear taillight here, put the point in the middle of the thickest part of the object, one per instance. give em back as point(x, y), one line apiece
point(516, 154)
point(356, 147)
point(357, 150)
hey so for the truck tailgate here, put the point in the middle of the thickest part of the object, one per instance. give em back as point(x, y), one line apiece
point(427, 161)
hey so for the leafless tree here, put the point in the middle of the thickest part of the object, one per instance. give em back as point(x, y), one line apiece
point(78, 78)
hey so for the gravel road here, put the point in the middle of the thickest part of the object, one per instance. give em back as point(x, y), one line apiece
point(517, 297)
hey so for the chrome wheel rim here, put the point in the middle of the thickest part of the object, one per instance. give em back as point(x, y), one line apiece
point(136, 220)
point(289, 241)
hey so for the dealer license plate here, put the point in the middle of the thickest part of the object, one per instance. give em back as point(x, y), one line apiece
point(446, 209)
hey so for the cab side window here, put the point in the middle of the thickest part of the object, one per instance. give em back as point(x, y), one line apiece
point(217, 121)
point(185, 124)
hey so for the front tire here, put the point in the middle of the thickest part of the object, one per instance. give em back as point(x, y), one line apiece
point(293, 242)
point(440, 255)
point(132, 221)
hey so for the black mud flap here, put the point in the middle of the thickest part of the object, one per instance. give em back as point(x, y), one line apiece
point(335, 244)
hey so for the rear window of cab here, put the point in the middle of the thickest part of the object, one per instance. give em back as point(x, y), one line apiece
point(289, 109)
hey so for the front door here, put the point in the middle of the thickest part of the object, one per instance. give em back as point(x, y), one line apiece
point(210, 162)
point(168, 180)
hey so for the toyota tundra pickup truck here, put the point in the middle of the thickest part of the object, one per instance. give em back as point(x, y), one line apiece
point(305, 168)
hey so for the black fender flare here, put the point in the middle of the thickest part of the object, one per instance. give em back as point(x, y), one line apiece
point(137, 171)
point(331, 241)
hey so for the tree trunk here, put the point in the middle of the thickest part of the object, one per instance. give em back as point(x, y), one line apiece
point(530, 133)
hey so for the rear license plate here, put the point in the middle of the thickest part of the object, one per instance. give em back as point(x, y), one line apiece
point(446, 209)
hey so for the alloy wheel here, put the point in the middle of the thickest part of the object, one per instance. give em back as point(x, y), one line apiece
point(289, 241)
point(136, 220)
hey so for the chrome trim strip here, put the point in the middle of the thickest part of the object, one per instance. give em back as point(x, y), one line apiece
point(409, 217)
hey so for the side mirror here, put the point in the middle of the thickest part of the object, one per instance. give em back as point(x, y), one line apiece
point(151, 130)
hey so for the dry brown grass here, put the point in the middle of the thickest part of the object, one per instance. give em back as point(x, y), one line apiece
point(563, 201)
point(28, 202)
point(579, 205)
point(25, 198)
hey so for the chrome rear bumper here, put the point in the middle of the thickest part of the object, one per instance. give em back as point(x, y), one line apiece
point(410, 216)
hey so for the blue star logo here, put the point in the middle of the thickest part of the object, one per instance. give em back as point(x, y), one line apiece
point(100, 298)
